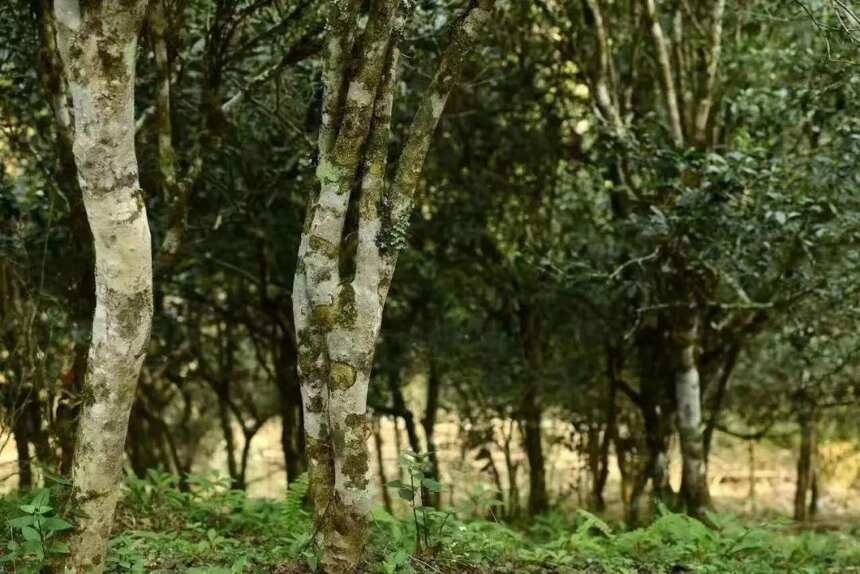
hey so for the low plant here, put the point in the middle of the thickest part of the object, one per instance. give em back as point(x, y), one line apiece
point(34, 536)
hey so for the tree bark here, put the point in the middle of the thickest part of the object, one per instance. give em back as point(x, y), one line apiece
point(376, 427)
point(532, 409)
point(694, 483)
point(98, 44)
point(805, 468)
point(338, 316)
point(21, 433)
point(429, 424)
point(601, 464)
point(532, 418)
point(82, 289)
point(289, 393)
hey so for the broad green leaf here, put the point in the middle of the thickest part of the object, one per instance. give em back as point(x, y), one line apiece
point(54, 524)
point(30, 534)
point(21, 521)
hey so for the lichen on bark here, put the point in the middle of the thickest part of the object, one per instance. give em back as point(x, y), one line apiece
point(97, 42)
point(337, 319)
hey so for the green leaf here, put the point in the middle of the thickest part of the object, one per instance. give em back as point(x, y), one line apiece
point(30, 534)
point(54, 524)
point(431, 485)
point(41, 499)
point(21, 521)
point(395, 484)
point(406, 493)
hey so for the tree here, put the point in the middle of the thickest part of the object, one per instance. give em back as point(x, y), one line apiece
point(338, 296)
point(98, 43)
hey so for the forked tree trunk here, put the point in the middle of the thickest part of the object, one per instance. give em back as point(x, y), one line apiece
point(98, 44)
point(337, 318)
point(694, 481)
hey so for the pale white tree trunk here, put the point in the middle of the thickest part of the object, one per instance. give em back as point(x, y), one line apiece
point(689, 396)
point(98, 43)
point(338, 318)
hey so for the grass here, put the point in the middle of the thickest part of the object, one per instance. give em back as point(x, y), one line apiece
point(210, 529)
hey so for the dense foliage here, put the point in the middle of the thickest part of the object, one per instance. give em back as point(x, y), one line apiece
point(619, 194)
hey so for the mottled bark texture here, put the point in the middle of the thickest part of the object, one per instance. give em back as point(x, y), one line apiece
point(81, 291)
point(689, 395)
point(338, 297)
point(805, 496)
point(98, 43)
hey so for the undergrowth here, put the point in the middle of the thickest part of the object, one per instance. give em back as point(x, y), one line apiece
point(203, 527)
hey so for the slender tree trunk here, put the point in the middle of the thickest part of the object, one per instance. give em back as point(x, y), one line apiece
point(401, 410)
point(813, 491)
point(378, 444)
point(637, 492)
point(143, 454)
point(532, 409)
point(512, 467)
point(21, 433)
point(98, 44)
point(593, 448)
point(82, 295)
point(429, 424)
point(805, 468)
point(688, 392)
point(532, 418)
point(622, 459)
point(292, 431)
point(39, 436)
point(602, 468)
point(718, 402)
point(229, 444)
point(751, 478)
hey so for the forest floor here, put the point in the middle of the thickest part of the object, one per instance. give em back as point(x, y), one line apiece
point(214, 530)
point(161, 530)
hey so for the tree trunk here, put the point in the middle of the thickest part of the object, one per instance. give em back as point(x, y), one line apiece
point(338, 317)
point(657, 406)
point(82, 294)
point(292, 431)
point(634, 506)
point(532, 418)
point(376, 426)
point(813, 491)
point(593, 450)
point(429, 423)
point(98, 44)
point(532, 410)
point(805, 468)
point(601, 472)
point(229, 444)
point(401, 410)
point(512, 467)
point(694, 483)
point(21, 433)
point(718, 402)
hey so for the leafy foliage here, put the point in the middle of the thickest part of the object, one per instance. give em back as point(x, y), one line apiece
point(213, 530)
point(33, 537)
